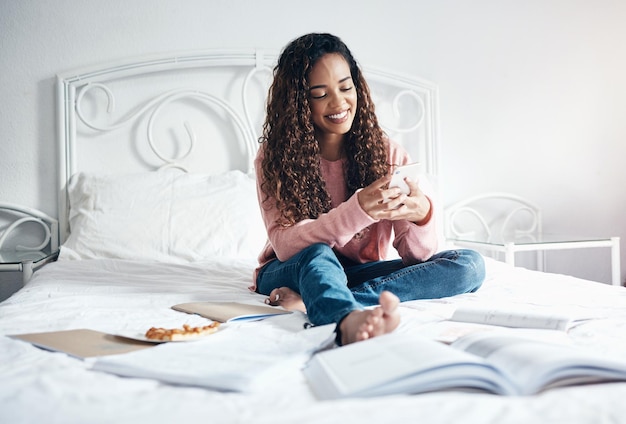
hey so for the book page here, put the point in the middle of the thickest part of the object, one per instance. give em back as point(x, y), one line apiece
point(450, 331)
point(396, 363)
point(244, 357)
point(535, 365)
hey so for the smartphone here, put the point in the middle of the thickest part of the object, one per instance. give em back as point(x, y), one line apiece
point(410, 171)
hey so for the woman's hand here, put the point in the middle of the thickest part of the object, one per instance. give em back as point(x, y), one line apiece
point(381, 202)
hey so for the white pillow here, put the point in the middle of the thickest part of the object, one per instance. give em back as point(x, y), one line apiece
point(166, 216)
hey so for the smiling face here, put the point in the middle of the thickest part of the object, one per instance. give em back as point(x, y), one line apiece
point(333, 98)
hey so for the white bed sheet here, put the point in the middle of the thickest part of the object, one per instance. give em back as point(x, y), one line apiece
point(117, 296)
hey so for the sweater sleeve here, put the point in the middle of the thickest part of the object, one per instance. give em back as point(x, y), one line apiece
point(414, 243)
point(334, 228)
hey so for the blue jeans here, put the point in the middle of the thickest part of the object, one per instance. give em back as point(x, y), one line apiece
point(332, 287)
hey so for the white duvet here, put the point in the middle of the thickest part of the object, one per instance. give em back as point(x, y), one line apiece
point(117, 296)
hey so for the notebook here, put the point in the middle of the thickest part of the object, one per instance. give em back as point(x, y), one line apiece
point(230, 311)
point(82, 343)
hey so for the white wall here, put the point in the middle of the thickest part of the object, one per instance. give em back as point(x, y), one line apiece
point(532, 93)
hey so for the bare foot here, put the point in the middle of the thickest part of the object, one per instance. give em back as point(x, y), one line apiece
point(287, 298)
point(362, 325)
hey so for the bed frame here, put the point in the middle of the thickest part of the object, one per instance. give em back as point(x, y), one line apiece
point(200, 94)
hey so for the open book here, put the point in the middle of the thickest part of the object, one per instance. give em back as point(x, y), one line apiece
point(230, 311)
point(494, 362)
point(244, 358)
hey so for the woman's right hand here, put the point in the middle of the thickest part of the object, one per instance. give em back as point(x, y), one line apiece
point(377, 200)
point(381, 202)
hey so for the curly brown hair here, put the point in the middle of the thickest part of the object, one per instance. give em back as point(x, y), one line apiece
point(291, 162)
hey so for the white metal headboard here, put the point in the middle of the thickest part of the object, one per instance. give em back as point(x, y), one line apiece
point(203, 112)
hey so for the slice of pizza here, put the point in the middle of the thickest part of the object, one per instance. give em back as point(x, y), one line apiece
point(177, 334)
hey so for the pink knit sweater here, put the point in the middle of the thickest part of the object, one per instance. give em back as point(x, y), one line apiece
point(347, 228)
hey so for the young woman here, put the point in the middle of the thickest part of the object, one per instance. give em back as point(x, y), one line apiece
point(323, 171)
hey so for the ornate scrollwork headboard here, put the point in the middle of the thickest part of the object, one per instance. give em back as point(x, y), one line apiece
point(203, 112)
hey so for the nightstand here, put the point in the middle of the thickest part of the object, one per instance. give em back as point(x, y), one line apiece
point(26, 262)
point(507, 223)
point(20, 258)
point(511, 244)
